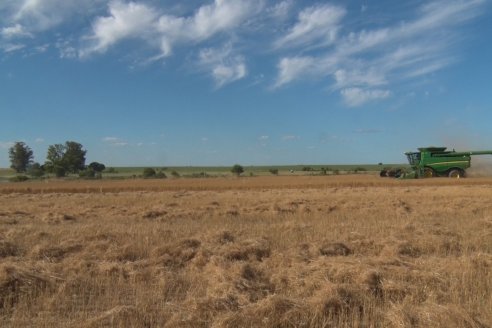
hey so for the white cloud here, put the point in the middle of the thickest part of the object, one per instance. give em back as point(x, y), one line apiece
point(444, 13)
point(263, 138)
point(224, 74)
point(294, 67)
point(207, 21)
point(66, 49)
point(222, 15)
point(354, 97)
point(223, 64)
point(311, 43)
point(41, 15)
point(164, 31)
point(281, 9)
point(358, 77)
point(14, 31)
point(434, 18)
point(429, 68)
point(126, 20)
point(39, 140)
point(115, 142)
point(42, 48)
point(11, 47)
point(290, 137)
point(383, 56)
point(318, 24)
point(110, 139)
point(26, 19)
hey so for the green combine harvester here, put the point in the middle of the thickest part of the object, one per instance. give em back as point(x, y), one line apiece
point(436, 162)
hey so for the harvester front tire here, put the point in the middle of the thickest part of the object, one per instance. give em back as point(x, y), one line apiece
point(383, 173)
point(456, 174)
point(429, 173)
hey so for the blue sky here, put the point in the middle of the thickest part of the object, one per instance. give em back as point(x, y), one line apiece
point(259, 82)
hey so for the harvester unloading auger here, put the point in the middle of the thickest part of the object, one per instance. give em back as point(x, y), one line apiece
point(436, 161)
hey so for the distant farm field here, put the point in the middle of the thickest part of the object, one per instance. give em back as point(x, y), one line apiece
point(225, 171)
point(264, 251)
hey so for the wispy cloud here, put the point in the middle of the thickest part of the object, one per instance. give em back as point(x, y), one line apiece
point(359, 62)
point(26, 19)
point(292, 68)
point(358, 77)
point(354, 97)
point(110, 139)
point(223, 64)
point(281, 10)
point(211, 19)
point(318, 24)
point(125, 20)
point(14, 31)
point(42, 48)
point(39, 15)
point(114, 141)
point(11, 47)
point(228, 38)
point(164, 31)
point(66, 49)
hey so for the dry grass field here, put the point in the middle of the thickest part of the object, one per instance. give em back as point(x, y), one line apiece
point(335, 251)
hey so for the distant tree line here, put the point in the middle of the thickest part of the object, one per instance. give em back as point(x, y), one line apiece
point(69, 158)
point(61, 159)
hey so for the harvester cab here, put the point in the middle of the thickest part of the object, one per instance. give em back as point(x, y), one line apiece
point(437, 161)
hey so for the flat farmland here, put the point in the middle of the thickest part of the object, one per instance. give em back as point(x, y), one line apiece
point(286, 251)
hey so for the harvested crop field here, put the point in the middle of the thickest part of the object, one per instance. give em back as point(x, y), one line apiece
point(328, 251)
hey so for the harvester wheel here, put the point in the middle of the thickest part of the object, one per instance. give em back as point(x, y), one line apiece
point(383, 173)
point(456, 174)
point(429, 173)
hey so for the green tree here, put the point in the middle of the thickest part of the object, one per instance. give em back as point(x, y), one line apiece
point(54, 159)
point(67, 158)
point(20, 156)
point(97, 167)
point(160, 175)
point(74, 157)
point(237, 169)
point(35, 170)
point(149, 172)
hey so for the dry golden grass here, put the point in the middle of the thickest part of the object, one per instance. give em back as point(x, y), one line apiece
point(262, 252)
point(229, 183)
